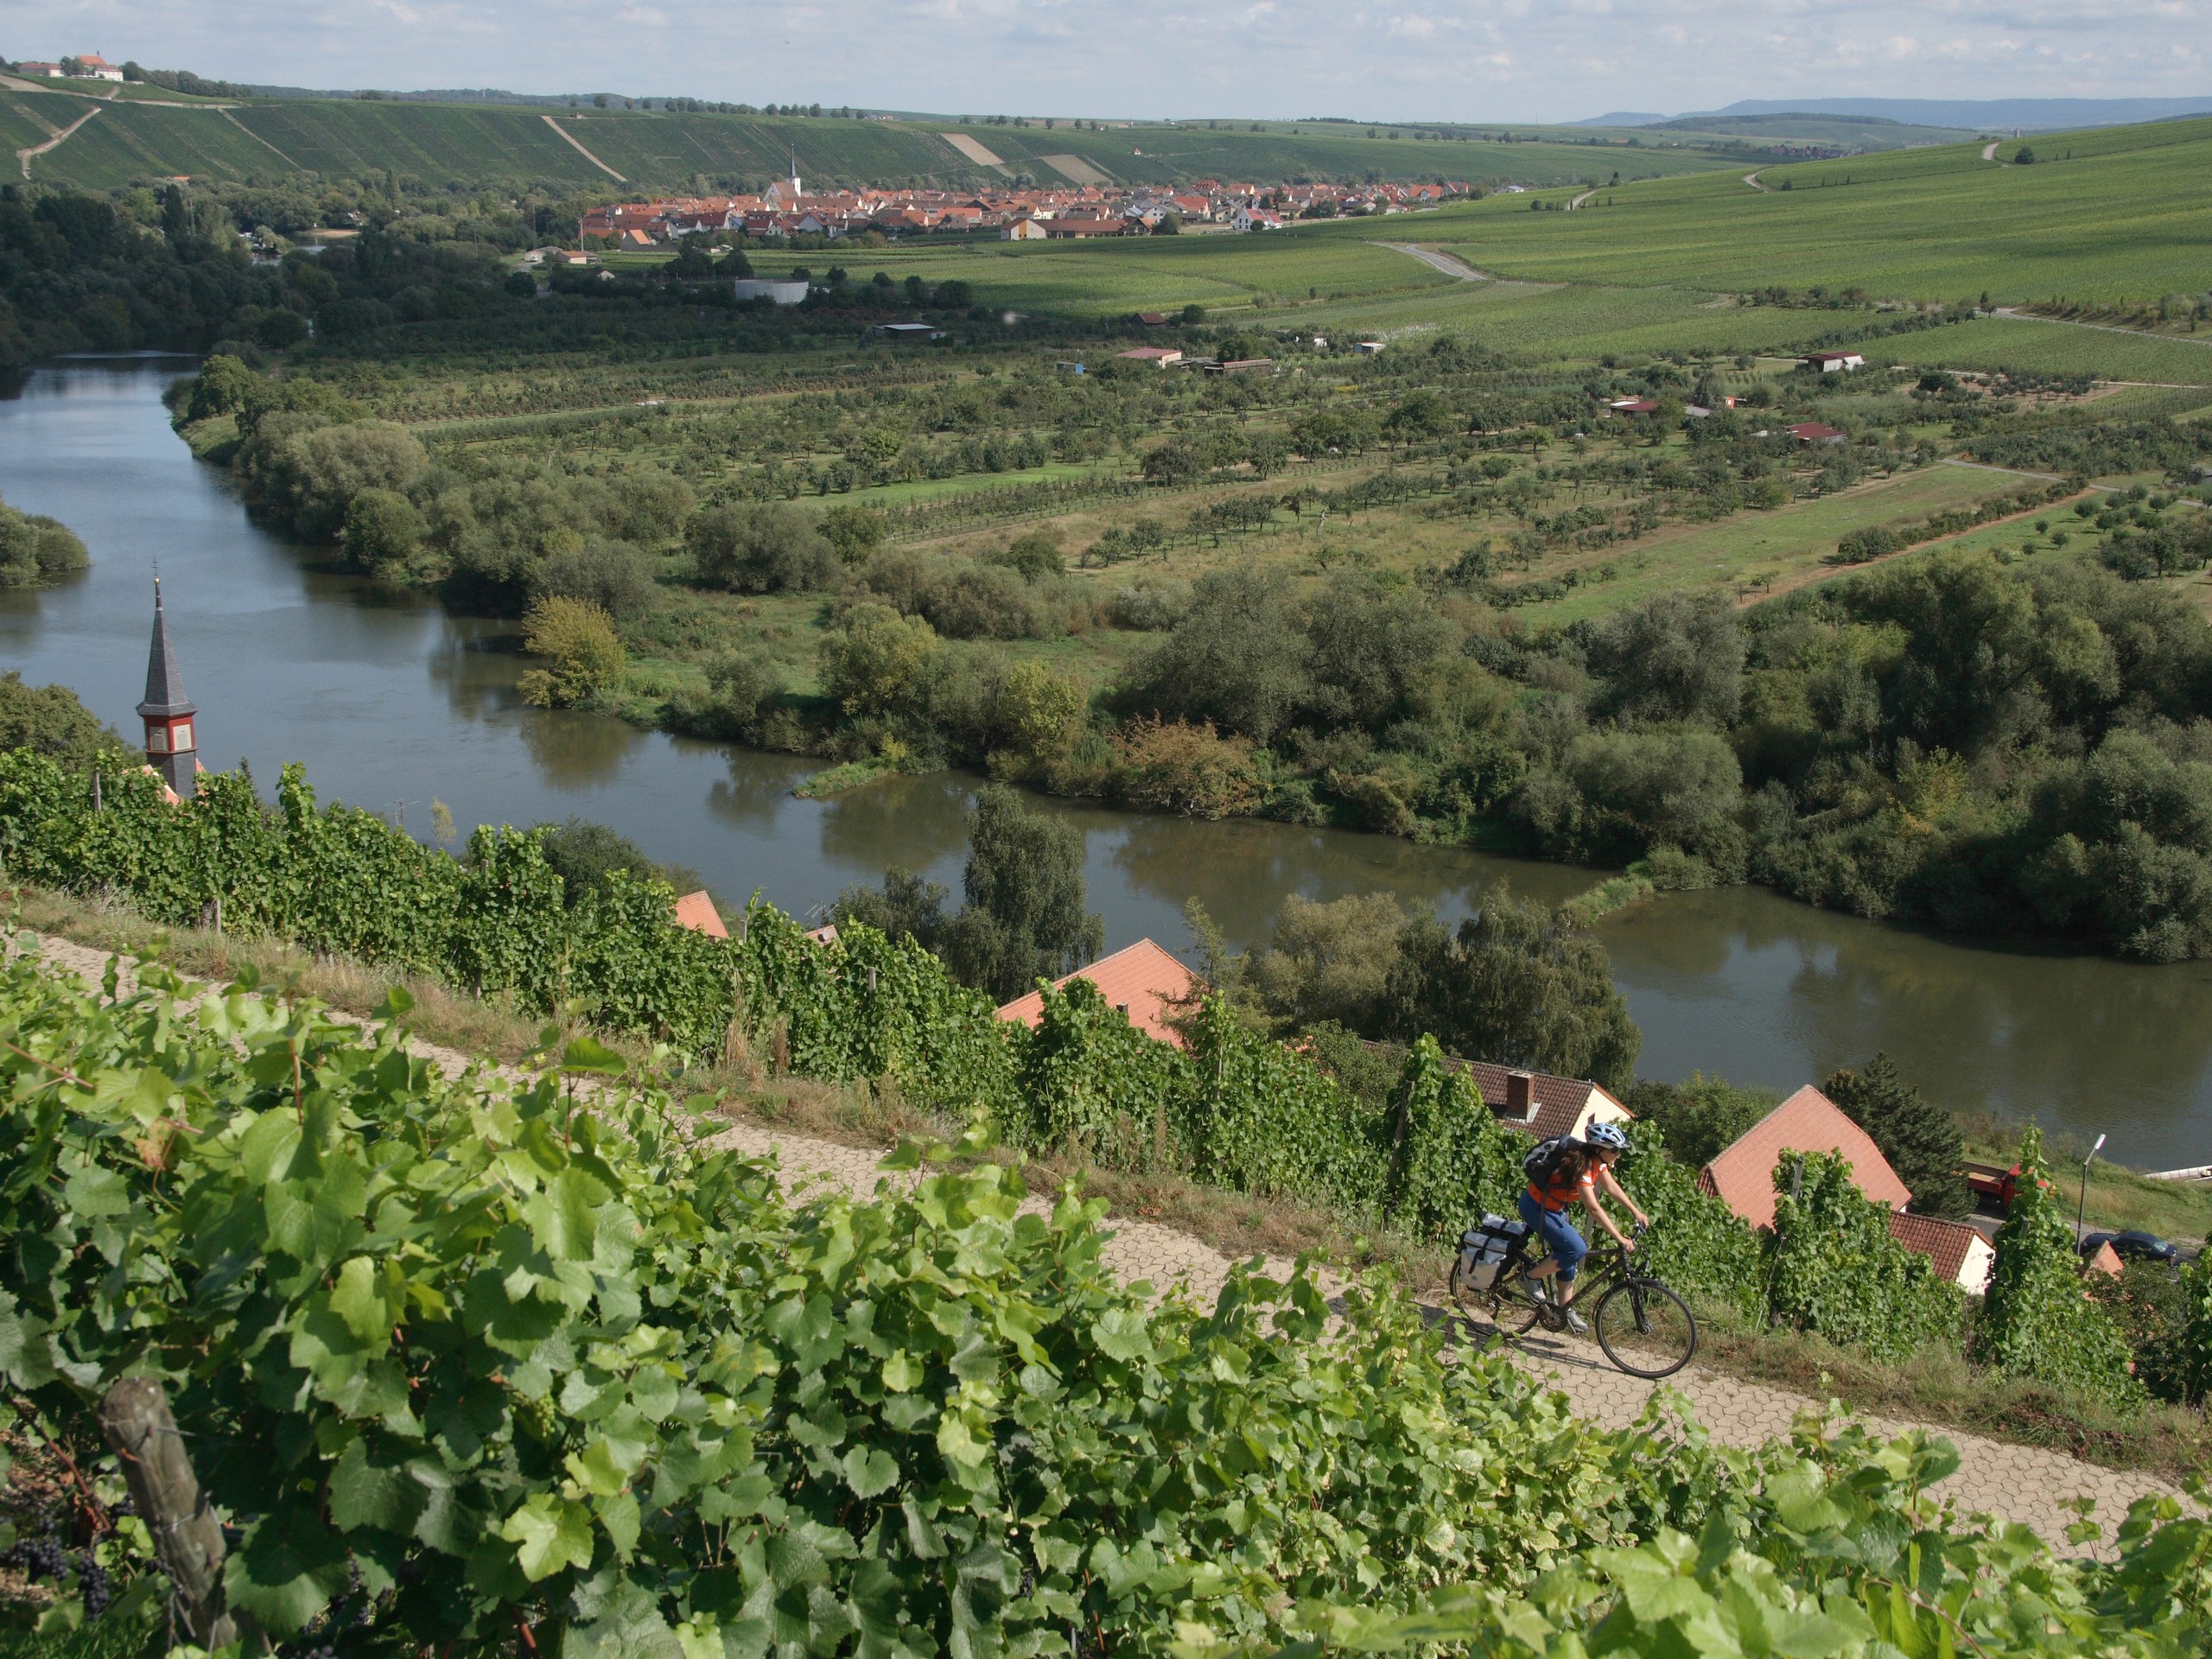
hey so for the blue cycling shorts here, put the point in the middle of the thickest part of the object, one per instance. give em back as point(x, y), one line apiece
point(1561, 1243)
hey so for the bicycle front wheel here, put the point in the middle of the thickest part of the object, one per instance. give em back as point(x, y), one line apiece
point(1645, 1329)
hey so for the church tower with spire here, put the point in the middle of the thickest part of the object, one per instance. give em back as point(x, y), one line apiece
point(171, 749)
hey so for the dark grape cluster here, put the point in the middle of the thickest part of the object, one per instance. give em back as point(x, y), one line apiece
point(93, 1584)
point(38, 1557)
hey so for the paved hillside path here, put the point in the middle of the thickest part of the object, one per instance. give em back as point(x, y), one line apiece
point(258, 139)
point(24, 155)
point(1436, 259)
point(582, 151)
point(2013, 313)
point(2014, 1483)
point(1753, 178)
point(1989, 150)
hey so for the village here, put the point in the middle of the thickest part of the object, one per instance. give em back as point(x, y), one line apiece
point(1022, 213)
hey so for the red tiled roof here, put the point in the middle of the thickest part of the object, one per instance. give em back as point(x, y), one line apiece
point(1742, 1176)
point(2106, 1260)
point(1558, 1101)
point(1945, 1244)
point(1142, 981)
point(697, 912)
point(1809, 429)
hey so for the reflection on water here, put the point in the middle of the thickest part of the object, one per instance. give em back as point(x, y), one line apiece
point(391, 702)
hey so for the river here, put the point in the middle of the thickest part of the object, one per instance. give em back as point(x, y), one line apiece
point(392, 704)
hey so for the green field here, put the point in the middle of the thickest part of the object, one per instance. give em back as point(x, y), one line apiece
point(2114, 214)
point(448, 143)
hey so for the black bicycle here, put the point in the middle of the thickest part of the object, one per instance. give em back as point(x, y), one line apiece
point(1644, 1328)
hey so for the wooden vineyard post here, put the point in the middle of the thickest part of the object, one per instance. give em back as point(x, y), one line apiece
point(135, 1418)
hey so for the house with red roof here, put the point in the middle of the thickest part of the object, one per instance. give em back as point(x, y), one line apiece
point(1960, 1252)
point(1159, 356)
point(1742, 1174)
point(697, 912)
point(1146, 982)
point(1808, 432)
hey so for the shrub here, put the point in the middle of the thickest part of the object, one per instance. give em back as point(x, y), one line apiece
point(382, 532)
point(855, 531)
point(584, 659)
point(759, 550)
point(1189, 769)
point(875, 665)
point(2037, 1320)
point(34, 549)
point(617, 576)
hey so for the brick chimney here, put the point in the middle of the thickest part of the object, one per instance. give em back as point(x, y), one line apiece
point(1521, 1094)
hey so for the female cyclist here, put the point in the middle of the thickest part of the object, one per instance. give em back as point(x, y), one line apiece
point(1575, 1175)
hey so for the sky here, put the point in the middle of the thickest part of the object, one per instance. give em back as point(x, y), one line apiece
point(1502, 61)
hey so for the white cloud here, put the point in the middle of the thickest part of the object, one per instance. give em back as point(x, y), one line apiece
point(1412, 60)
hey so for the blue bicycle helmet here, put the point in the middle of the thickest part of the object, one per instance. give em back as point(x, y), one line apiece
point(1605, 1136)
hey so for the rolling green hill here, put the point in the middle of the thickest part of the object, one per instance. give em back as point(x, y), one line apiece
point(2115, 214)
point(472, 144)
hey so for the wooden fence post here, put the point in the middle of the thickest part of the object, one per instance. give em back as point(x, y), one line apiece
point(135, 1418)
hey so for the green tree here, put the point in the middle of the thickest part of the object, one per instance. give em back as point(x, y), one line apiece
point(1923, 1142)
point(382, 532)
point(1700, 1118)
point(760, 550)
point(907, 907)
point(586, 855)
point(35, 550)
point(1237, 658)
point(1515, 986)
point(49, 719)
point(875, 663)
point(1327, 961)
point(1025, 918)
point(855, 531)
point(583, 655)
point(2037, 1319)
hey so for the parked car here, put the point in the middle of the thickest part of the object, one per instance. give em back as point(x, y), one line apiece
point(2133, 1246)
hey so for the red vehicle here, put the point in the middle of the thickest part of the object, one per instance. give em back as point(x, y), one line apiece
point(1990, 1181)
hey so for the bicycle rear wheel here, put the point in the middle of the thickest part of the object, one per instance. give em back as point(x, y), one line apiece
point(1645, 1329)
point(1506, 1305)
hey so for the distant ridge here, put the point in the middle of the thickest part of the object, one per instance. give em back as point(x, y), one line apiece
point(2027, 114)
point(1620, 119)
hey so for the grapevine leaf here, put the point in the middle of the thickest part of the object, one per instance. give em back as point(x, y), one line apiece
point(589, 1054)
point(287, 1571)
point(365, 1494)
point(551, 1532)
point(869, 1470)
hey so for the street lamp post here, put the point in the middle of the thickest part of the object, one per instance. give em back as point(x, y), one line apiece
point(2083, 1209)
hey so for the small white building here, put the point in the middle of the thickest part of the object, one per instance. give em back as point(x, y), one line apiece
point(1024, 230)
point(1368, 347)
point(1255, 219)
point(1833, 362)
point(783, 293)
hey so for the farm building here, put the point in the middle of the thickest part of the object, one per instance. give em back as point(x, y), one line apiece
point(920, 331)
point(1159, 357)
point(1144, 981)
point(1833, 362)
point(1813, 432)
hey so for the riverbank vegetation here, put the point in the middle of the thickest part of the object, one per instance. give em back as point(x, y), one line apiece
point(37, 550)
